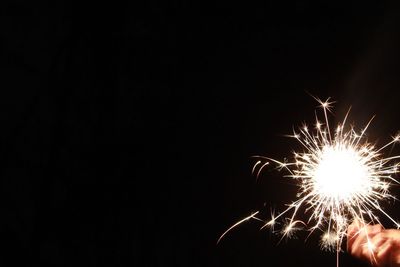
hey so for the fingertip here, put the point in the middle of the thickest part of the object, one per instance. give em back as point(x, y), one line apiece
point(350, 240)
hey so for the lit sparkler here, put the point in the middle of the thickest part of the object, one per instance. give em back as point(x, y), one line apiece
point(341, 177)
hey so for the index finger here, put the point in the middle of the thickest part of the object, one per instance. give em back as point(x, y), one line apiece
point(368, 230)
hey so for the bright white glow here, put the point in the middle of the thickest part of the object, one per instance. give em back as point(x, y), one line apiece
point(340, 173)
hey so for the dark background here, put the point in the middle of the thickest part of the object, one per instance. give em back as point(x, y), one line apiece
point(127, 130)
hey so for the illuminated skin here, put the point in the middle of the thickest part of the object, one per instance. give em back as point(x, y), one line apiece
point(341, 177)
point(380, 247)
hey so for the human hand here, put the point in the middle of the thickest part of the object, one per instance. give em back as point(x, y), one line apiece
point(381, 247)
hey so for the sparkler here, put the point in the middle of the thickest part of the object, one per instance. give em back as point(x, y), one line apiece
point(341, 176)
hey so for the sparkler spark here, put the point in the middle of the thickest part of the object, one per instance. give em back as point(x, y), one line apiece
point(341, 176)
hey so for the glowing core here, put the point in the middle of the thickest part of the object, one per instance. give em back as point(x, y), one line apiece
point(341, 173)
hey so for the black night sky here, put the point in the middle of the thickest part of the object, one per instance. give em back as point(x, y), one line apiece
point(127, 130)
